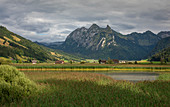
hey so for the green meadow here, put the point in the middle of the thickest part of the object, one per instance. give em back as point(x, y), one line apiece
point(92, 67)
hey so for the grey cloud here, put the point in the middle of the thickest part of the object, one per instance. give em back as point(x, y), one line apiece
point(158, 15)
point(68, 26)
point(3, 14)
point(58, 18)
point(126, 26)
point(46, 38)
point(37, 29)
point(53, 38)
point(66, 32)
point(92, 18)
point(162, 15)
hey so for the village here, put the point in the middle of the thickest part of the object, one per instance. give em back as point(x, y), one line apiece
point(110, 61)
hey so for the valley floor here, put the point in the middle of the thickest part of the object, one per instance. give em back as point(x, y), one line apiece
point(94, 67)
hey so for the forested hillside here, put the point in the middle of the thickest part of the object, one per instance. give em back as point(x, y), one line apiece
point(16, 47)
point(163, 55)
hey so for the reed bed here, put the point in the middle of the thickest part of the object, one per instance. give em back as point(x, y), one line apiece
point(89, 89)
point(92, 68)
point(86, 67)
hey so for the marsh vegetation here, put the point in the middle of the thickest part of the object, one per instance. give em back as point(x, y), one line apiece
point(91, 89)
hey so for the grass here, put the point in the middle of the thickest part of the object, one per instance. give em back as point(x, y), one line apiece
point(91, 67)
point(63, 67)
point(89, 89)
point(164, 76)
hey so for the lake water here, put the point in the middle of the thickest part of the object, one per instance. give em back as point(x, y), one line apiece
point(133, 76)
point(120, 75)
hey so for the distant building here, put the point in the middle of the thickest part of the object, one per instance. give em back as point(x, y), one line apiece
point(122, 62)
point(34, 61)
point(116, 61)
point(59, 62)
point(103, 62)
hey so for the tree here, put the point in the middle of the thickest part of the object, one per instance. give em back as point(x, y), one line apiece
point(99, 61)
point(19, 61)
point(71, 61)
point(162, 60)
point(110, 61)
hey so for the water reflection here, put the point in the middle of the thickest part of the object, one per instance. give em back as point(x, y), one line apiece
point(133, 76)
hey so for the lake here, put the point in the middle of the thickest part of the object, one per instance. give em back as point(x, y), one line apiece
point(133, 76)
point(120, 75)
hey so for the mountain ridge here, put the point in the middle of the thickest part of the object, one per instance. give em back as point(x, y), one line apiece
point(97, 42)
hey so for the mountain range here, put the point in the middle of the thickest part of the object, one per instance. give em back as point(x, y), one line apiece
point(96, 42)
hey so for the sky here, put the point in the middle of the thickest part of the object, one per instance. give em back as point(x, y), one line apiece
point(54, 20)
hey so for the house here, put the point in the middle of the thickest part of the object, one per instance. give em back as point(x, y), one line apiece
point(123, 62)
point(34, 61)
point(59, 62)
point(103, 61)
point(116, 61)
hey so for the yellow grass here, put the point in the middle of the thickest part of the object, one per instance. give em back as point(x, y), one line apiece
point(18, 57)
point(1, 41)
point(6, 43)
point(68, 69)
point(92, 69)
point(143, 61)
point(52, 53)
point(15, 42)
point(15, 38)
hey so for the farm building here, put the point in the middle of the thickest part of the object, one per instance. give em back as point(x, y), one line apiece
point(34, 61)
point(103, 62)
point(123, 62)
point(116, 61)
point(59, 62)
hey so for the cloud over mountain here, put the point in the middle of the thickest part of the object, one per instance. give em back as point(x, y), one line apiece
point(39, 20)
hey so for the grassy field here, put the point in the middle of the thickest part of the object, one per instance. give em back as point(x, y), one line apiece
point(88, 64)
point(93, 67)
point(89, 89)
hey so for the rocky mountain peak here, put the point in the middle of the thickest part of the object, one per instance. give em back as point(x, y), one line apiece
point(83, 28)
point(164, 34)
point(97, 42)
point(108, 27)
point(148, 32)
point(94, 26)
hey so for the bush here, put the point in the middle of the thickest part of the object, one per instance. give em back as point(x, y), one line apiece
point(5, 61)
point(130, 63)
point(14, 85)
point(82, 62)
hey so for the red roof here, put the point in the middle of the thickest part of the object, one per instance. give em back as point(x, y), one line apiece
point(59, 62)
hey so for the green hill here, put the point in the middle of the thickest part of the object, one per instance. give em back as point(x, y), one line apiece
point(161, 50)
point(162, 44)
point(16, 47)
point(163, 55)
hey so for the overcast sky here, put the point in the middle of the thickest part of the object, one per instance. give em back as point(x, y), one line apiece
point(53, 20)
